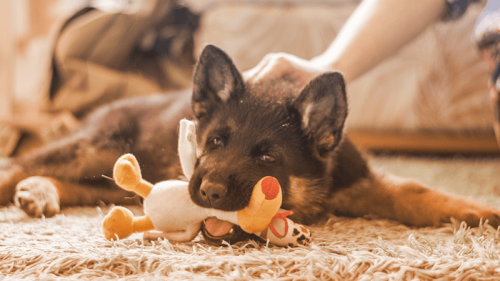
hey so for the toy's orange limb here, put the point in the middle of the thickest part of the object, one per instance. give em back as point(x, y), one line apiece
point(143, 224)
point(143, 188)
point(127, 175)
point(118, 224)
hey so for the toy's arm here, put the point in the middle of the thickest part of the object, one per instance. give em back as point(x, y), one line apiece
point(178, 236)
point(187, 147)
point(127, 175)
point(231, 217)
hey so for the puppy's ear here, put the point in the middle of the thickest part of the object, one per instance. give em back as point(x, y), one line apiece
point(216, 79)
point(323, 108)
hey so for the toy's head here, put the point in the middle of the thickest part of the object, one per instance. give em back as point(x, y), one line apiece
point(264, 204)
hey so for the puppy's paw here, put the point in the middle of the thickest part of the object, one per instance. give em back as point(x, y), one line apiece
point(9, 176)
point(37, 196)
point(473, 215)
point(466, 210)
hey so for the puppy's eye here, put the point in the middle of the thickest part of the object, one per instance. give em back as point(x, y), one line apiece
point(217, 141)
point(267, 158)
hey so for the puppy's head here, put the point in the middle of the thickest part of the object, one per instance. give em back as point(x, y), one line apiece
point(246, 132)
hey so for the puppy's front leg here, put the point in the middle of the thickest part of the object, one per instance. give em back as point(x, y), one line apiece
point(410, 202)
point(10, 175)
point(80, 157)
point(39, 196)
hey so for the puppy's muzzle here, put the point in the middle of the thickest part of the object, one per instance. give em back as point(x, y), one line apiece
point(212, 193)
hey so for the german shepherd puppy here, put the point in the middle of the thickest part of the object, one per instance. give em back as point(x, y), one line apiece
point(245, 132)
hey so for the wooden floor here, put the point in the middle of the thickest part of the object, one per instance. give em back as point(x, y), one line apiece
point(477, 143)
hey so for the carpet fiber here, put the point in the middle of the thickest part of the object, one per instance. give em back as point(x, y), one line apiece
point(71, 245)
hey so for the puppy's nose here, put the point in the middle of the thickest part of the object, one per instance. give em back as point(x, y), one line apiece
point(212, 193)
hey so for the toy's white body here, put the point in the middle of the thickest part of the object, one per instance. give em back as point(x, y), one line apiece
point(171, 212)
point(172, 198)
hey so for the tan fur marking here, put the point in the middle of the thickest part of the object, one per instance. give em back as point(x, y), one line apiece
point(329, 141)
point(225, 93)
point(297, 192)
point(305, 118)
point(303, 201)
point(197, 108)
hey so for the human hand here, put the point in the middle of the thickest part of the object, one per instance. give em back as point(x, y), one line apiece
point(277, 65)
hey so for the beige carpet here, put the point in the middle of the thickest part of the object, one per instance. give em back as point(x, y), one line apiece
point(70, 246)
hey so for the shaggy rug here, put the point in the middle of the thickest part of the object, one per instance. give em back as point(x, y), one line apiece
point(71, 246)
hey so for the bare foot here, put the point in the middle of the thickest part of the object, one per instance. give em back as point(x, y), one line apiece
point(37, 196)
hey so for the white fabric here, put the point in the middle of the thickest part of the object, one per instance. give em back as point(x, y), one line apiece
point(187, 146)
point(170, 207)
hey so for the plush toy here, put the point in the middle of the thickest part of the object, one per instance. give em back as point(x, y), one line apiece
point(169, 209)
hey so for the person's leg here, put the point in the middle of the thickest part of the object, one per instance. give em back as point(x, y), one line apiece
point(494, 94)
point(488, 41)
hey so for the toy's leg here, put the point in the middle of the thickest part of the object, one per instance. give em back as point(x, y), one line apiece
point(143, 224)
point(120, 223)
point(176, 236)
point(127, 175)
point(284, 232)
